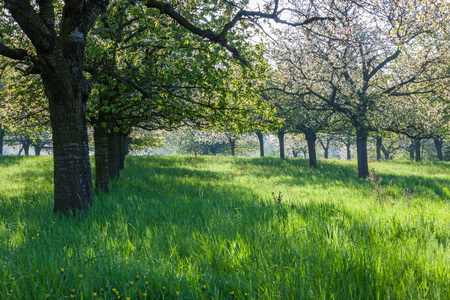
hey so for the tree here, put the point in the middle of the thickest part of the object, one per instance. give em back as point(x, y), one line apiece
point(55, 35)
point(418, 118)
point(371, 51)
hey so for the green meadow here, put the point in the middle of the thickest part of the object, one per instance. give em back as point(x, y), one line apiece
point(180, 227)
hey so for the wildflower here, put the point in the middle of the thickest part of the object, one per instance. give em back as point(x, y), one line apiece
point(163, 289)
point(62, 271)
point(245, 295)
point(80, 276)
point(177, 293)
point(73, 291)
point(128, 298)
point(94, 294)
point(146, 283)
point(131, 283)
point(232, 294)
point(137, 261)
point(144, 295)
point(137, 277)
point(204, 287)
point(114, 291)
point(47, 296)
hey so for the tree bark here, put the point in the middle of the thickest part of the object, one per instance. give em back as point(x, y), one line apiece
point(261, 143)
point(438, 142)
point(417, 142)
point(60, 59)
point(281, 142)
point(294, 153)
point(311, 138)
point(113, 155)
point(101, 158)
point(379, 143)
point(361, 149)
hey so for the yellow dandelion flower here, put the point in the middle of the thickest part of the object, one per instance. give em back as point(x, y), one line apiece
point(94, 294)
point(144, 295)
point(80, 276)
point(47, 296)
point(137, 277)
point(177, 293)
point(61, 270)
point(232, 294)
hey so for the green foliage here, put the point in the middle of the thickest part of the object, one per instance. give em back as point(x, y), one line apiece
point(209, 227)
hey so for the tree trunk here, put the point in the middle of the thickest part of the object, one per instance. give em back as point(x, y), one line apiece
point(233, 147)
point(101, 158)
point(438, 142)
point(325, 147)
point(325, 153)
point(417, 142)
point(361, 149)
point(121, 150)
point(2, 135)
point(60, 60)
point(386, 153)
point(26, 146)
point(281, 141)
point(37, 150)
point(411, 150)
point(294, 153)
point(311, 140)
point(349, 153)
point(113, 155)
point(379, 143)
point(261, 143)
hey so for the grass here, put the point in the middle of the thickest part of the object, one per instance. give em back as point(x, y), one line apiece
point(179, 227)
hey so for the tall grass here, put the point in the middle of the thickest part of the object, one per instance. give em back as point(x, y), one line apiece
point(179, 227)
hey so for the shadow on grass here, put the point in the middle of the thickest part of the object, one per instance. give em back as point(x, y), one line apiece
point(173, 219)
point(10, 160)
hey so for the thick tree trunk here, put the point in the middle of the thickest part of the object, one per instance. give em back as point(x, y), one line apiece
point(113, 155)
point(417, 142)
point(379, 143)
point(361, 149)
point(261, 143)
point(438, 142)
point(2, 135)
point(60, 59)
point(311, 140)
point(101, 158)
point(281, 142)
